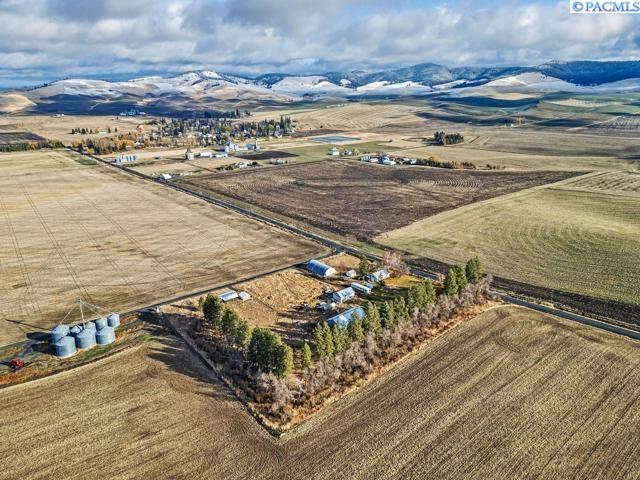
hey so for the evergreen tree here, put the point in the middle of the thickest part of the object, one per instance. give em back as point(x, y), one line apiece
point(230, 320)
point(305, 361)
point(340, 339)
point(388, 316)
point(329, 345)
point(242, 334)
point(473, 270)
point(430, 292)
point(355, 330)
point(364, 268)
point(213, 310)
point(461, 276)
point(400, 309)
point(451, 283)
point(371, 321)
point(283, 360)
point(318, 339)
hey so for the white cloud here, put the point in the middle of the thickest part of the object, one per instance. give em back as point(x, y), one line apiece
point(61, 38)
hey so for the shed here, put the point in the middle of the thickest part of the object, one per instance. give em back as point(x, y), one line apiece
point(320, 269)
point(244, 296)
point(345, 318)
point(228, 296)
point(343, 295)
point(358, 287)
point(351, 273)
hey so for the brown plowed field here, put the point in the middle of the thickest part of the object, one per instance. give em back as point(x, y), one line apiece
point(352, 198)
point(510, 394)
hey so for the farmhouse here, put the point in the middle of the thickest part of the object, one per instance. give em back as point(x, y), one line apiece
point(343, 295)
point(165, 176)
point(379, 275)
point(346, 317)
point(334, 152)
point(320, 269)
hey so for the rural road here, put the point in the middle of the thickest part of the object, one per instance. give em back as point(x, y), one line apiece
point(507, 297)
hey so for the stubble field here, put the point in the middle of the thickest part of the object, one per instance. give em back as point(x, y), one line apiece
point(510, 394)
point(363, 200)
point(71, 230)
point(581, 236)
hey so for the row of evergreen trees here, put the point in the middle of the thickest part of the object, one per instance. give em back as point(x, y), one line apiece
point(442, 138)
point(262, 348)
point(460, 275)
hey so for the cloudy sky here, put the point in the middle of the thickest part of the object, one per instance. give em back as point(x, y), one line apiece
point(43, 40)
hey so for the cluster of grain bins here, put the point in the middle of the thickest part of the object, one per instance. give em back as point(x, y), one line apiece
point(124, 159)
point(68, 339)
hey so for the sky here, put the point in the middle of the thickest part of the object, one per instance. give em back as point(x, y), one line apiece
point(45, 40)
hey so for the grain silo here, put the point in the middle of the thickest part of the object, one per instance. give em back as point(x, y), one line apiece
point(113, 320)
point(86, 338)
point(106, 335)
point(89, 326)
point(101, 323)
point(58, 332)
point(65, 347)
point(75, 330)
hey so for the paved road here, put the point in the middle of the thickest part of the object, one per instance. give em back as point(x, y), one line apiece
point(346, 248)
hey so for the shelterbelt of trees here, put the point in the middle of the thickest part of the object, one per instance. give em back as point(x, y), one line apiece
point(283, 383)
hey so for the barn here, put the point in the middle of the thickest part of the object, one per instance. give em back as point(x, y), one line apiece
point(320, 269)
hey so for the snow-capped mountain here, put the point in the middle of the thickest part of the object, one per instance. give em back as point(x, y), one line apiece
point(209, 90)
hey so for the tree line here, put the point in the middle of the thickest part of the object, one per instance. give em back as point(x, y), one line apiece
point(442, 138)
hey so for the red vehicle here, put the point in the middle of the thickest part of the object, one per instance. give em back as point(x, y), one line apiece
point(16, 364)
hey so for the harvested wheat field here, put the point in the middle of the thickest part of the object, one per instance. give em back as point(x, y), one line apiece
point(364, 200)
point(581, 236)
point(356, 116)
point(70, 230)
point(510, 394)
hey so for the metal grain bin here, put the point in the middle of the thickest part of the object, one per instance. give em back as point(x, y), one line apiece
point(89, 326)
point(106, 335)
point(113, 320)
point(65, 347)
point(58, 332)
point(75, 330)
point(101, 323)
point(86, 338)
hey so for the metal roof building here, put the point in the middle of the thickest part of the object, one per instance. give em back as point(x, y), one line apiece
point(345, 318)
point(358, 287)
point(320, 269)
point(379, 275)
point(343, 295)
point(228, 296)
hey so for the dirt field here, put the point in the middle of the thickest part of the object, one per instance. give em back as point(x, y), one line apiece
point(71, 230)
point(510, 394)
point(59, 128)
point(580, 236)
point(274, 297)
point(363, 200)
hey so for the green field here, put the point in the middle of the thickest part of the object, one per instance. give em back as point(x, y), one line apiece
point(581, 235)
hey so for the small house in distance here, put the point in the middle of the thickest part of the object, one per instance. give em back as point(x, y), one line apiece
point(343, 295)
point(378, 275)
point(346, 317)
point(320, 269)
point(334, 152)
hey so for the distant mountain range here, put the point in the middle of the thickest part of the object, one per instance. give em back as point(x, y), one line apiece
point(207, 89)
